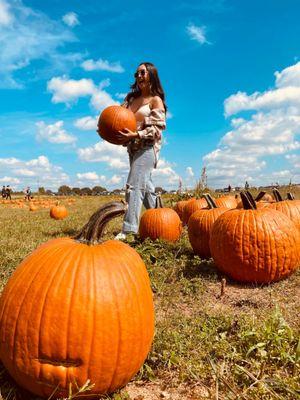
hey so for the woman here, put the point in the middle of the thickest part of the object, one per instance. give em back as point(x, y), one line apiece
point(147, 101)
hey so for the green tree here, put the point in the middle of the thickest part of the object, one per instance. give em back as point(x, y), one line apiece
point(64, 190)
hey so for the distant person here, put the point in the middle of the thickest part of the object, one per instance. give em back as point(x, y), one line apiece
point(8, 192)
point(3, 192)
point(247, 185)
point(28, 193)
point(229, 188)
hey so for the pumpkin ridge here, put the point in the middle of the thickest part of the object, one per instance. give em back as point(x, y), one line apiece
point(145, 282)
point(95, 292)
point(78, 258)
point(14, 336)
point(64, 256)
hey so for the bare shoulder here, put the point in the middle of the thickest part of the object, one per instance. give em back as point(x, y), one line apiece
point(156, 102)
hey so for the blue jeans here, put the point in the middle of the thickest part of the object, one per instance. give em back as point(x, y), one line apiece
point(139, 187)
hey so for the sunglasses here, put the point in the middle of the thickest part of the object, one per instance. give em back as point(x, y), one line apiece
point(142, 73)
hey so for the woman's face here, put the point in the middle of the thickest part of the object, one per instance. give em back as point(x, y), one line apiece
point(142, 77)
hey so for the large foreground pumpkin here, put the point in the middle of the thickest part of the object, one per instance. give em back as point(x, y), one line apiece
point(255, 245)
point(76, 310)
point(289, 207)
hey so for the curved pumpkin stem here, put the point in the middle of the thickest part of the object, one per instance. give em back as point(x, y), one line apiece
point(210, 201)
point(92, 231)
point(260, 195)
point(248, 201)
point(159, 202)
point(277, 195)
point(290, 196)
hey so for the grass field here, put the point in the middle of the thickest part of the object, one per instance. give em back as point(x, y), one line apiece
point(242, 345)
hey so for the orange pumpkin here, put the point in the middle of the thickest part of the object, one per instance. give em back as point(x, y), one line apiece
point(226, 201)
point(114, 119)
point(160, 223)
point(191, 207)
point(289, 207)
point(58, 211)
point(255, 245)
point(179, 207)
point(77, 309)
point(200, 225)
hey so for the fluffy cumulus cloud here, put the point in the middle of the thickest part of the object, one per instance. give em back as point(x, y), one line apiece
point(197, 33)
point(27, 35)
point(54, 133)
point(271, 130)
point(93, 179)
point(21, 173)
point(71, 19)
point(86, 123)
point(165, 175)
point(68, 91)
point(102, 65)
point(115, 157)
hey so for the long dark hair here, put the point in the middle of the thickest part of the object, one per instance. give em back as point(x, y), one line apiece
point(155, 85)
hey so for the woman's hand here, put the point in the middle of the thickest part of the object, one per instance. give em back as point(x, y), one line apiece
point(127, 134)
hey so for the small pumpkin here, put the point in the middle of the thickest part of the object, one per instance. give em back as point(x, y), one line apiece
point(58, 211)
point(200, 226)
point(255, 245)
point(160, 223)
point(77, 309)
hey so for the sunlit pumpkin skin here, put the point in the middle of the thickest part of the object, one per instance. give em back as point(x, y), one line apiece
point(179, 207)
point(291, 208)
point(200, 225)
point(114, 119)
point(160, 223)
point(74, 311)
point(58, 212)
point(226, 201)
point(32, 207)
point(255, 245)
point(191, 207)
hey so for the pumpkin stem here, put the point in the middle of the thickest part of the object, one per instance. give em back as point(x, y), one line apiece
point(210, 201)
point(92, 231)
point(260, 195)
point(158, 202)
point(290, 196)
point(277, 195)
point(248, 201)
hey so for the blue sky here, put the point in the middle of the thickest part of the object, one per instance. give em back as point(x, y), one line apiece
point(230, 71)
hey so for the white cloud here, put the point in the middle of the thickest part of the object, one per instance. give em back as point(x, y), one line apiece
point(27, 35)
point(169, 115)
point(272, 131)
point(71, 19)
point(89, 176)
point(115, 180)
point(102, 65)
point(197, 33)
point(190, 172)
point(68, 91)
point(86, 123)
point(21, 173)
point(165, 175)
point(121, 96)
point(54, 133)
point(6, 17)
point(115, 157)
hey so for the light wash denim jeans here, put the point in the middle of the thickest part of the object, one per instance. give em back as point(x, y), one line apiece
point(139, 187)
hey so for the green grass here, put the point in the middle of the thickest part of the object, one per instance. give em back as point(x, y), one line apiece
point(243, 345)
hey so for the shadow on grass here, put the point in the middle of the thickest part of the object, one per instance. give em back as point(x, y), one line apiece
point(10, 390)
point(62, 232)
point(195, 268)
